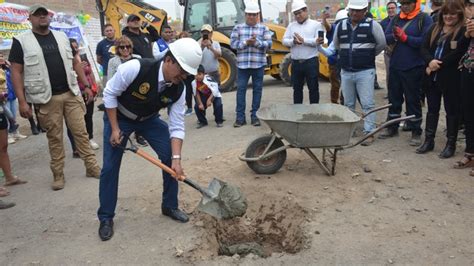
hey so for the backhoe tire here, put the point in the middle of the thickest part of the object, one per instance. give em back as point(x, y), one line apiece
point(228, 70)
point(285, 70)
point(269, 165)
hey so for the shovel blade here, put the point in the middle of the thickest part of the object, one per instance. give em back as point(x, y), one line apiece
point(228, 201)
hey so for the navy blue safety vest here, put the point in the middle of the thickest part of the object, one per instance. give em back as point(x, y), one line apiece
point(357, 48)
point(141, 99)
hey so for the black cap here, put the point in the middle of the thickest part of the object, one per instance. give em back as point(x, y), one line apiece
point(132, 18)
point(201, 69)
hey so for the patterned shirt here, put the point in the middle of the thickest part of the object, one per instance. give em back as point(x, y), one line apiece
point(251, 56)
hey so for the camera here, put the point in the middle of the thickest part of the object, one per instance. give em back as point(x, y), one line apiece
point(205, 37)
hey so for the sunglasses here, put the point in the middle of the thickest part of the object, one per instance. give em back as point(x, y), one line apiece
point(296, 13)
point(251, 14)
point(125, 46)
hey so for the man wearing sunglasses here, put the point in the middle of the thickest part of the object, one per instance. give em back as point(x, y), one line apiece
point(300, 36)
point(133, 97)
point(251, 40)
point(142, 42)
point(406, 32)
point(44, 68)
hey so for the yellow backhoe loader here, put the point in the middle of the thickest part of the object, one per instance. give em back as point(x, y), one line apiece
point(223, 15)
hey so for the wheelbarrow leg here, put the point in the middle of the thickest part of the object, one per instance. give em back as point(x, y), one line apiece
point(316, 159)
point(334, 158)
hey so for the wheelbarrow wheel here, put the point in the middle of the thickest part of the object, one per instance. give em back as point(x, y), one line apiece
point(268, 165)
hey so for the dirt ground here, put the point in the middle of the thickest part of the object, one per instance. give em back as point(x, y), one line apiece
point(385, 205)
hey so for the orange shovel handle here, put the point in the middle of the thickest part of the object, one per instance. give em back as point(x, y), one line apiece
point(156, 162)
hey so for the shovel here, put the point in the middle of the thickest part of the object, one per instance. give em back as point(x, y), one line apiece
point(220, 200)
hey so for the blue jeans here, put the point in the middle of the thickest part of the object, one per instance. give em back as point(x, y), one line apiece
point(360, 84)
point(243, 76)
point(301, 71)
point(216, 105)
point(406, 86)
point(11, 105)
point(156, 133)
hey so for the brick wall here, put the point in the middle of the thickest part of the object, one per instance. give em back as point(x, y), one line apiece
point(88, 6)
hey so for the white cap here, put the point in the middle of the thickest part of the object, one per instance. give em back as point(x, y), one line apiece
point(188, 53)
point(297, 5)
point(357, 4)
point(252, 7)
point(341, 14)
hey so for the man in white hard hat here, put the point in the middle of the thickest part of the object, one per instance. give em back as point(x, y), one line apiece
point(358, 40)
point(251, 40)
point(300, 36)
point(133, 98)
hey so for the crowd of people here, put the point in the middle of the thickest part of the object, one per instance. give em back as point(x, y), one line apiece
point(427, 57)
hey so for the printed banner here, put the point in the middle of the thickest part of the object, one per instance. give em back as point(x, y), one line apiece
point(70, 25)
point(13, 21)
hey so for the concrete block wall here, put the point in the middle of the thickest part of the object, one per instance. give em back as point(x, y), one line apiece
point(88, 6)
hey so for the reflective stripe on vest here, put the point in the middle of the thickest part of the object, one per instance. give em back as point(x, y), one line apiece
point(357, 46)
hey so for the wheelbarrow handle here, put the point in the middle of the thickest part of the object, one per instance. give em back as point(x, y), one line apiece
point(170, 171)
point(384, 125)
point(375, 110)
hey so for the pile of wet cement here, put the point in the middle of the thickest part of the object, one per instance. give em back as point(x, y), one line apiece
point(320, 118)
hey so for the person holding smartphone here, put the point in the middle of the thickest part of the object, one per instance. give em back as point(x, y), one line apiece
point(211, 51)
point(467, 91)
point(300, 37)
point(357, 59)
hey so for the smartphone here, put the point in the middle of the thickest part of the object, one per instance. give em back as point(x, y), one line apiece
point(205, 37)
point(320, 34)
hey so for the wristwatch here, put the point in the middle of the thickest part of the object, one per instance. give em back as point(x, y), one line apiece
point(176, 157)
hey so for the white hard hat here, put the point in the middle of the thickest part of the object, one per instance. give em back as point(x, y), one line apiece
point(252, 7)
point(341, 14)
point(297, 5)
point(357, 4)
point(188, 53)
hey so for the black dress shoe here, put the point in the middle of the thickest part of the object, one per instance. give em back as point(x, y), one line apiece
point(106, 230)
point(201, 125)
point(175, 214)
point(101, 107)
point(140, 140)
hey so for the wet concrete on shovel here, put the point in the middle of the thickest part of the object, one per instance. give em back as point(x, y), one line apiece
point(229, 203)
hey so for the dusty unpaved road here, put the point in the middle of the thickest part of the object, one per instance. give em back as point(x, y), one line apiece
point(403, 208)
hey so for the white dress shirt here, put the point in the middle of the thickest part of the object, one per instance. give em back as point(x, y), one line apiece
point(309, 31)
point(125, 75)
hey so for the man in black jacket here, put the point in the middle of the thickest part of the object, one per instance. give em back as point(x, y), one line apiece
point(142, 42)
point(133, 97)
point(142, 46)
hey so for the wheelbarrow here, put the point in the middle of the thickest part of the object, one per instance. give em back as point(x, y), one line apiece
point(317, 126)
point(220, 199)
